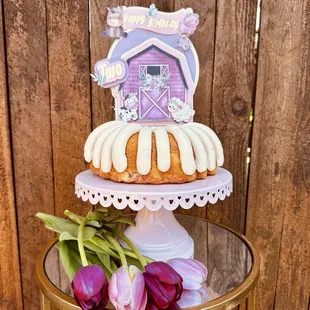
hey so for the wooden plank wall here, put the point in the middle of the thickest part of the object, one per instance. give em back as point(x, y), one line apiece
point(10, 295)
point(279, 188)
point(48, 106)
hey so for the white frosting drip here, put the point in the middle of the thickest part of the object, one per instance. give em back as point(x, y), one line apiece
point(215, 141)
point(89, 144)
point(185, 148)
point(144, 150)
point(211, 155)
point(119, 158)
point(106, 152)
point(99, 143)
point(163, 149)
point(200, 148)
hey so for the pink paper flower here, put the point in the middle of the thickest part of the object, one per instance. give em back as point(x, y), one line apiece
point(193, 272)
point(189, 24)
point(127, 289)
point(90, 287)
point(163, 285)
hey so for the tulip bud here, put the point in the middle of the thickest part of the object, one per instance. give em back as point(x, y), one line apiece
point(90, 287)
point(163, 285)
point(127, 289)
point(193, 272)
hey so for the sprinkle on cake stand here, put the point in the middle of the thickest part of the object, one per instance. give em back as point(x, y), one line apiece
point(157, 233)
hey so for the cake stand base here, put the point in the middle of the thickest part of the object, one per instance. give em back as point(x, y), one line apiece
point(158, 235)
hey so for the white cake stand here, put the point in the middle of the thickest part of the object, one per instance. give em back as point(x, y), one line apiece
point(157, 233)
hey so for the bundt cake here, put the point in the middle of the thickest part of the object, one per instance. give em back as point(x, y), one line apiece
point(134, 153)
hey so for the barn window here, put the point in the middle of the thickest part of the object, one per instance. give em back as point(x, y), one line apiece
point(153, 70)
point(162, 70)
point(142, 70)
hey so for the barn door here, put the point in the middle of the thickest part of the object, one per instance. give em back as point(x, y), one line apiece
point(153, 103)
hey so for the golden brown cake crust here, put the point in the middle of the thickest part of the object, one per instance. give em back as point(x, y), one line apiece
point(131, 175)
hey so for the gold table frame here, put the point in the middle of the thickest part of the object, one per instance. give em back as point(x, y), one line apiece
point(54, 299)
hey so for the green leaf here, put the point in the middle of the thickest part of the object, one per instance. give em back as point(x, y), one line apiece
point(90, 245)
point(96, 216)
point(113, 266)
point(105, 262)
point(74, 251)
point(122, 219)
point(73, 217)
point(78, 219)
point(102, 210)
point(69, 263)
point(66, 236)
point(93, 224)
point(105, 259)
point(60, 225)
point(102, 245)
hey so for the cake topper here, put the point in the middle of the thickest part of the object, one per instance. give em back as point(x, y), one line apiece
point(152, 67)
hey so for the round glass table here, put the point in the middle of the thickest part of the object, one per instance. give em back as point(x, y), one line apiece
point(232, 262)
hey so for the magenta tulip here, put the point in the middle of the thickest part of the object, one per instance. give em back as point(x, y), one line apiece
point(90, 287)
point(173, 306)
point(127, 289)
point(163, 285)
point(193, 272)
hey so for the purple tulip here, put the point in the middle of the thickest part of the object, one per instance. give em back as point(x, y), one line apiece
point(90, 287)
point(163, 285)
point(127, 289)
point(193, 272)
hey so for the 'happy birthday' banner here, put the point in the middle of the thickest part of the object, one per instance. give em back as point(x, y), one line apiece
point(183, 21)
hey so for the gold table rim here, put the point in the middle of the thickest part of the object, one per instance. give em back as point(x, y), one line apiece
point(232, 298)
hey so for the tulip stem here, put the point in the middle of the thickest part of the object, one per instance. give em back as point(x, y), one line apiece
point(118, 249)
point(134, 249)
point(80, 242)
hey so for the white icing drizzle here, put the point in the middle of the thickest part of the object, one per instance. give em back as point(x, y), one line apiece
point(89, 144)
point(119, 158)
point(215, 141)
point(106, 152)
point(163, 149)
point(185, 148)
point(99, 143)
point(144, 150)
point(200, 148)
point(208, 147)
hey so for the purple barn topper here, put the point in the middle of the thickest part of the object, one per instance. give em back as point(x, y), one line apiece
point(152, 67)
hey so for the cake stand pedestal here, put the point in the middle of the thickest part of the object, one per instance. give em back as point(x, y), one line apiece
point(157, 233)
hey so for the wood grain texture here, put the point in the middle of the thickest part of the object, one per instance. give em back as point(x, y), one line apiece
point(279, 197)
point(52, 108)
point(69, 82)
point(31, 132)
point(10, 284)
point(232, 100)
point(226, 263)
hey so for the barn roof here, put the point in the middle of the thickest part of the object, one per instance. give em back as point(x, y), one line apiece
point(164, 52)
point(167, 50)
